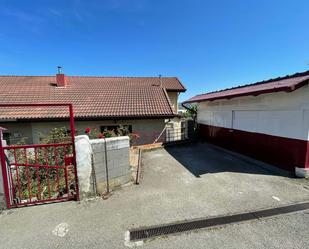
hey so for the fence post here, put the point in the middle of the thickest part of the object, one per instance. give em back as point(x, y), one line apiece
point(4, 179)
point(138, 172)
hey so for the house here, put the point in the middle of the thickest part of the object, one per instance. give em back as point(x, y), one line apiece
point(142, 104)
point(267, 120)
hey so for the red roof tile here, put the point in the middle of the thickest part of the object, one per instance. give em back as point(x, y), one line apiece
point(287, 84)
point(92, 97)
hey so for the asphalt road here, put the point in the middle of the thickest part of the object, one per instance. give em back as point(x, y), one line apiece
point(286, 231)
point(180, 183)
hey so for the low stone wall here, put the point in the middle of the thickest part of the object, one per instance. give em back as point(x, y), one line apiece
point(115, 160)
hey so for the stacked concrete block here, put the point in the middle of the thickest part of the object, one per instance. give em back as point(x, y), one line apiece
point(118, 165)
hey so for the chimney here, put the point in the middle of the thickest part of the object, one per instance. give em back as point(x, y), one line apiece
point(62, 80)
point(160, 78)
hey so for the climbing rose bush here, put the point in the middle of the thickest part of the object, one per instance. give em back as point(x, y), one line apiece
point(94, 133)
point(48, 177)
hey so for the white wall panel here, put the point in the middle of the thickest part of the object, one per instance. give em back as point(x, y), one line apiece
point(281, 123)
point(268, 122)
point(276, 123)
point(222, 119)
point(245, 120)
point(215, 118)
point(204, 116)
point(278, 114)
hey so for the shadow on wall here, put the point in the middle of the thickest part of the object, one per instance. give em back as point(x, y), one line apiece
point(203, 158)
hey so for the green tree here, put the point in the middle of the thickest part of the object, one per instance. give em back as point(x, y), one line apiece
point(191, 111)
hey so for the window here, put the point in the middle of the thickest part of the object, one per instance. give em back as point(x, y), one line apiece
point(115, 128)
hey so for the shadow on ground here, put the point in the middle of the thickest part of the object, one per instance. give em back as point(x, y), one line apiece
point(203, 158)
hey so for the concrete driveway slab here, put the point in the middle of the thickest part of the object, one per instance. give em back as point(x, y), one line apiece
point(199, 180)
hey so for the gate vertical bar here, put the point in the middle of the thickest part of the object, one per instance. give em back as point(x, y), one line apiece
point(17, 176)
point(72, 127)
point(47, 172)
point(4, 173)
point(27, 174)
point(37, 173)
point(57, 169)
point(12, 182)
point(66, 172)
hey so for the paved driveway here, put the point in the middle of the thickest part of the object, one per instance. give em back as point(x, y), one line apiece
point(178, 183)
point(200, 180)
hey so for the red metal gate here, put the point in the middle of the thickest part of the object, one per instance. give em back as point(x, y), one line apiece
point(40, 173)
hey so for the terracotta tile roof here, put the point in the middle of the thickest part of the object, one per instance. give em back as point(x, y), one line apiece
point(92, 97)
point(288, 83)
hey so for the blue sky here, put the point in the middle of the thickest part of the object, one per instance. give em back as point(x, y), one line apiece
point(209, 45)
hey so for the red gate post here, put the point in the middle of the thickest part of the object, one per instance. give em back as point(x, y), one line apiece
point(4, 171)
point(72, 127)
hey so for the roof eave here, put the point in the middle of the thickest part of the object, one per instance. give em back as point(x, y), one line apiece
point(163, 116)
point(176, 90)
point(254, 93)
point(52, 119)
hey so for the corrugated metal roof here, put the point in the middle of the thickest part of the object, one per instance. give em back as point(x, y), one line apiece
point(288, 84)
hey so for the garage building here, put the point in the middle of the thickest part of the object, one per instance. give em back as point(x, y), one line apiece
point(267, 120)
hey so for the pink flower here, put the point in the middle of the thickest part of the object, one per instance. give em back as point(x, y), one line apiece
point(87, 130)
point(135, 135)
point(101, 135)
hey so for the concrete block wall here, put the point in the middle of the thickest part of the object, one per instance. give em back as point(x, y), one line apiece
point(118, 164)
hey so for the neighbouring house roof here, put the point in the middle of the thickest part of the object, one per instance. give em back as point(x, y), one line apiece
point(92, 97)
point(288, 83)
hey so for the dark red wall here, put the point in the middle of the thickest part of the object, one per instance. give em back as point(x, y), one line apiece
point(285, 153)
